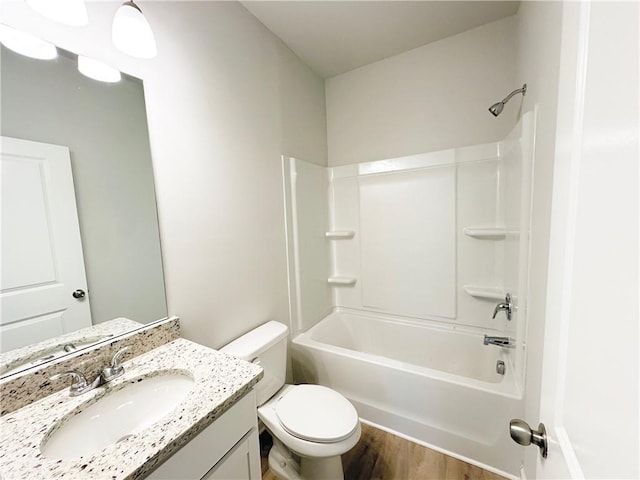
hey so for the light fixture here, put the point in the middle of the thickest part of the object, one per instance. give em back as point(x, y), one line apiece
point(26, 44)
point(97, 70)
point(69, 12)
point(131, 33)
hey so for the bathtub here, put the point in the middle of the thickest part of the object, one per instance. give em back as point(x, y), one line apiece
point(434, 385)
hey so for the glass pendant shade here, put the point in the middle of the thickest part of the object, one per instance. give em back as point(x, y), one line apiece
point(68, 12)
point(131, 33)
point(97, 70)
point(26, 44)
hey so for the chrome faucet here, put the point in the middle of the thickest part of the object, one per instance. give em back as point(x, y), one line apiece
point(79, 384)
point(505, 342)
point(114, 369)
point(507, 306)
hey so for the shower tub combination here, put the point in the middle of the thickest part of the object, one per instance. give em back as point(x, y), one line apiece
point(435, 385)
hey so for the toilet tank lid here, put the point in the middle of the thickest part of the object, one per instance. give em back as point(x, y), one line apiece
point(256, 341)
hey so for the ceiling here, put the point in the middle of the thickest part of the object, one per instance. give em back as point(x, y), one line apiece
point(333, 37)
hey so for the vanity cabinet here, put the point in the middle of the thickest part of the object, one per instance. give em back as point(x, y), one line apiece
point(228, 449)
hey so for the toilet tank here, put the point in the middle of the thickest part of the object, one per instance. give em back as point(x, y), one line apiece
point(265, 345)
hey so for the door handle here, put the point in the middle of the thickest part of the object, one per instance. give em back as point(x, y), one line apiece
point(79, 294)
point(523, 434)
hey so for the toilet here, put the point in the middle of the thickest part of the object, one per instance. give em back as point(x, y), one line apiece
point(311, 425)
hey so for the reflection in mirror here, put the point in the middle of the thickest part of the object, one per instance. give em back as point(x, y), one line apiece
point(101, 128)
point(51, 349)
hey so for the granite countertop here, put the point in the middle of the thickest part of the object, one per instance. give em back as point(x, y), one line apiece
point(219, 381)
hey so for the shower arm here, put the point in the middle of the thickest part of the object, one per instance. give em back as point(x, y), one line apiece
point(522, 90)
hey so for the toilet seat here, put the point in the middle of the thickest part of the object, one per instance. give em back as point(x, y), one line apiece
point(316, 414)
point(304, 448)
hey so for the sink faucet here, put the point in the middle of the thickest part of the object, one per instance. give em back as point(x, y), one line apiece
point(79, 384)
point(507, 306)
point(114, 369)
point(505, 342)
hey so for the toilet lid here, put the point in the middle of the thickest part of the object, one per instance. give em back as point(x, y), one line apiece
point(317, 414)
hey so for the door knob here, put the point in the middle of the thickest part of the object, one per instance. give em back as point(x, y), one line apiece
point(523, 434)
point(79, 294)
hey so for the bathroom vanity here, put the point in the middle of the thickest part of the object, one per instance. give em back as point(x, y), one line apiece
point(209, 432)
point(228, 448)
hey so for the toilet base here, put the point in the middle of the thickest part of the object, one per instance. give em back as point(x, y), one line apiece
point(282, 462)
point(287, 466)
point(321, 468)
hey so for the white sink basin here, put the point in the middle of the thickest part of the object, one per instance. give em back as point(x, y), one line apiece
point(116, 416)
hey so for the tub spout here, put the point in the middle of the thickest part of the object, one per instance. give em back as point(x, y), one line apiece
point(505, 342)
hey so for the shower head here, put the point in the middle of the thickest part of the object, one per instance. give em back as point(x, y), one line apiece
point(496, 108)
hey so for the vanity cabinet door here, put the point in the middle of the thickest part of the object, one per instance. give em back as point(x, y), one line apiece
point(232, 439)
point(240, 463)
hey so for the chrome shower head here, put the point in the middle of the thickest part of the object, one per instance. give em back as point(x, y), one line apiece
point(496, 108)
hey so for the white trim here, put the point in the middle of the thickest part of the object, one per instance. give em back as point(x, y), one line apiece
point(569, 453)
point(573, 187)
point(563, 234)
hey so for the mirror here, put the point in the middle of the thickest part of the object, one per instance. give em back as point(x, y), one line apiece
point(104, 126)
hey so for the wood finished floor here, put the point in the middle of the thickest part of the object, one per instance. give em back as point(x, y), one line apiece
point(382, 456)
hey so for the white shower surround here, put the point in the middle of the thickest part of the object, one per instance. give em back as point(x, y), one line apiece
point(434, 385)
point(421, 374)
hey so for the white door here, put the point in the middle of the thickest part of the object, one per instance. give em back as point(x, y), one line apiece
point(41, 252)
point(589, 399)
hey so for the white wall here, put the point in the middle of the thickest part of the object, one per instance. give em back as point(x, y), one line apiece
point(539, 29)
point(225, 98)
point(431, 98)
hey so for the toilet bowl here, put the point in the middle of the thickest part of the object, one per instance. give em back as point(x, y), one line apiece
point(316, 424)
point(311, 425)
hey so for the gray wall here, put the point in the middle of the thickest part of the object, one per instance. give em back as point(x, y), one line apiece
point(431, 98)
point(105, 127)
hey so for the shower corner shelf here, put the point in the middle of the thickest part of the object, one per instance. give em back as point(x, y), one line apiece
point(489, 293)
point(339, 234)
point(490, 233)
point(342, 281)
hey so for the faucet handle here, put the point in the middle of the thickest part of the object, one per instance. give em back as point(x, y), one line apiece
point(506, 305)
point(115, 361)
point(114, 369)
point(78, 385)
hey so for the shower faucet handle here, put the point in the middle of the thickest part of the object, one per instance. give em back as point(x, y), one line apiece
point(507, 306)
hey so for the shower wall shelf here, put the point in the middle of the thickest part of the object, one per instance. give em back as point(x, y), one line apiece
point(490, 233)
point(342, 281)
point(489, 293)
point(339, 234)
